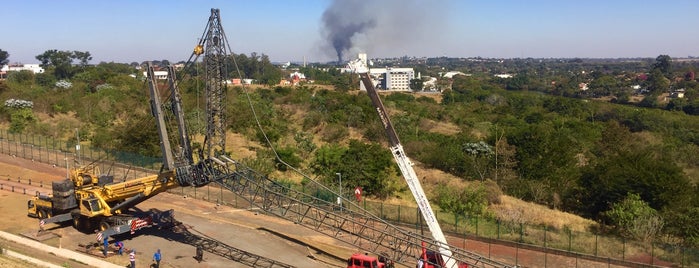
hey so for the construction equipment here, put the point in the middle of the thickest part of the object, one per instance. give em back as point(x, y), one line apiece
point(358, 260)
point(214, 45)
point(360, 67)
point(92, 201)
point(432, 259)
point(63, 197)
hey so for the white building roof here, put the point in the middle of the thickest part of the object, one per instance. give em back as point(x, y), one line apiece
point(36, 68)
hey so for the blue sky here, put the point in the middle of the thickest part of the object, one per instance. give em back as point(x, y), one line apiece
point(129, 30)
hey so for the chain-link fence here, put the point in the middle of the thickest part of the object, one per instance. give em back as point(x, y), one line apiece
point(52, 151)
point(584, 245)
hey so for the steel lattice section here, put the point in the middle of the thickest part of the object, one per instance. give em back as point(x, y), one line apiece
point(216, 75)
point(356, 227)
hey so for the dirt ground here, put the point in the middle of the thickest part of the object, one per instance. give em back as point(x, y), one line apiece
point(240, 229)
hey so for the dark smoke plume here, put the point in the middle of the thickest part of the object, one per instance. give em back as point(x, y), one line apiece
point(386, 26)
point(342, 21)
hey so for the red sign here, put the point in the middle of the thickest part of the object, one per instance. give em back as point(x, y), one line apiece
point(358, 193)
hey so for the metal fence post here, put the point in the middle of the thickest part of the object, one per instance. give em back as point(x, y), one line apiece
point(31, 149)
point(477, 224)
point(545, 251)
point(456, 223)
point(381, 211)
point(399, 213)
point(24, 148)
point(570, 240)
point(498, 224)
point(517, 255)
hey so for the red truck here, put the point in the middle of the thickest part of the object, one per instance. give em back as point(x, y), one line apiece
point(359, 260)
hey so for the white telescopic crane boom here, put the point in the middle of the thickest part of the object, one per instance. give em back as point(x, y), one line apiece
point(405, 165)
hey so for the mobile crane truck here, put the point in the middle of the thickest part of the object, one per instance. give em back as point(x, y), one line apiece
point(92, 201)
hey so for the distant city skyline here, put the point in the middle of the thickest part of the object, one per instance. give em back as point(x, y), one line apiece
point(320, 30)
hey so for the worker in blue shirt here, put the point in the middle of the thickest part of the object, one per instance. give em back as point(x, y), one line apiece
point(156, 258)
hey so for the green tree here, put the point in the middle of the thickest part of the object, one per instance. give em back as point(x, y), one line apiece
point(465, 84)
point(137, 134)
point(603, 86)
point(462, 201)
point(479, 154)
point(328, 160)
point(635, 219)
point(657, 82)
point(4, 57)
point(62, 61)
point(21, 118)
point(519, 82)
point(46, 80)
point(286, 157)
point(416, 84)
point(83, 57)
point(21, 77)
point(369, 166)
point(663, 63)
point(651, 174)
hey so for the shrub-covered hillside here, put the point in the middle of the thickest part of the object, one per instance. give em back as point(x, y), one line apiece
point(610, 162)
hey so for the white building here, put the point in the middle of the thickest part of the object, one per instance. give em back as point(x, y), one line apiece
point(160, 75)
point(504, 75)
point(397, 79)
point(451, 74)
point(35, 68)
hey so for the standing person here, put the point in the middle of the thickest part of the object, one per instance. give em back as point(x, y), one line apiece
point(156, 258)
point(132, 258)
point(106, 246)
point(200, 253)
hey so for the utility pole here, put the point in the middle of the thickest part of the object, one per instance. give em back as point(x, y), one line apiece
point(77, 146)
point(339, 198)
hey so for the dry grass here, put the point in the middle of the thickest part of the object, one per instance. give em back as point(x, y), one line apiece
point(515, 210)
point(439, 127)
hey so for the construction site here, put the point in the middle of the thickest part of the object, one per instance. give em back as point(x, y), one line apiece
point(74, 216)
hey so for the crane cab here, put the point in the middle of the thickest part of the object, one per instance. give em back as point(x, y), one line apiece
point(91, 207)
point(359, 260)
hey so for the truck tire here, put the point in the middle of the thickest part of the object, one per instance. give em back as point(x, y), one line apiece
point(41, 214)
point(77, 222)
point(104, 225)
